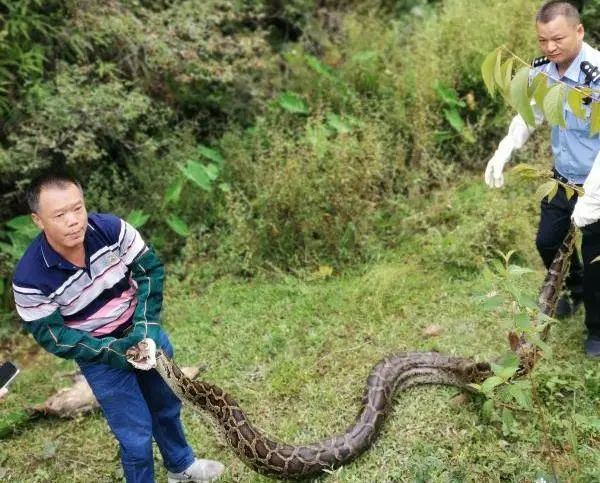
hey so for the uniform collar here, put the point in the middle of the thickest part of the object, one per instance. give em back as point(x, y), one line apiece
point(572, 73)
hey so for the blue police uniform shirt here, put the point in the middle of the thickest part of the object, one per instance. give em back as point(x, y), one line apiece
point(573, 149)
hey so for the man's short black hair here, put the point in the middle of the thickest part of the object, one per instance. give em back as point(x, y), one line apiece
point(554, 8)
point(60, 179)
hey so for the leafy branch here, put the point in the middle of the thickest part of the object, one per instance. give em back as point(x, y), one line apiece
point(522, 90)
point(503, 391)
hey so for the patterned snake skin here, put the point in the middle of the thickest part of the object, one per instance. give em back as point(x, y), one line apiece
point(282, 460)
point(391, 374)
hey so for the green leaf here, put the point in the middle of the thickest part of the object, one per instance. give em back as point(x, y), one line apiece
point(522, 299)
point(519, 395)
point(510, 359)
point(542, 345)
point(318, 66)
point(453, 117)
point(196, 172)
point(23, 224)
point(490, 383)
point(224, 187)
point(526, 171)
point(535, 82)
point(468, 135)
point(487, 71)
point(595, 118)
point(522, 321)
point(549, 189)
point(506, 70)
point(448, 95)
point(178, 225)
point(316, 136)
point(519, 95)
point(569, 192)
point(575, 101)
point(553, 192)
point(336, 122)
point(137, 218)
point(292, 103)
point(543, 318)
point(212, 170)
point(441, 136)
point(506, 367)
point(554, 106)
point(541, 90)
point(518, 270)
point(508, 255)
point(493, 303)
point(507, 372)
point(173, 192)
point(508, 420)
point(487, 410)
point(498, 78)
point(211, 154)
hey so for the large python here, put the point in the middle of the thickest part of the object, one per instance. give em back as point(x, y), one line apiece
point(398, 372)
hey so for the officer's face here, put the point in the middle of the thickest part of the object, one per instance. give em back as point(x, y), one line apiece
point(62, 216)
point(560, 40)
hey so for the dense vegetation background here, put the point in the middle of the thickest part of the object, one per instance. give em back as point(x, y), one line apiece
point(266, 133)
point(263, 146)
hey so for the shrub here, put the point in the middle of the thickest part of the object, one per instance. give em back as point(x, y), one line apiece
point(304, 191)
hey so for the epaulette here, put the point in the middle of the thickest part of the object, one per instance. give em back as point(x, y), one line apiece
point(540, 61)
point(592, 73)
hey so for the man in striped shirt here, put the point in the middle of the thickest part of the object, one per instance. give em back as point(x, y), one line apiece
point(88, 288)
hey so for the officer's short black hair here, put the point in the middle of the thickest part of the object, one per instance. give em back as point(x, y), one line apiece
point(554, 8)
point(60, 179)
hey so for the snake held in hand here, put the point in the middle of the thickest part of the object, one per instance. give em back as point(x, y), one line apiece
point(394, 373)
point(273, 458)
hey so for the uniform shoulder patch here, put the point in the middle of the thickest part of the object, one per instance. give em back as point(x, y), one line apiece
point(592, 73)
point(540, 61)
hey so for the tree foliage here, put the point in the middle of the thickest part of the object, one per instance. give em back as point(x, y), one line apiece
point(550, 96)
point(255, 133)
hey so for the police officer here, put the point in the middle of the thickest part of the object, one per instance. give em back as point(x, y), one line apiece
point(570, 60)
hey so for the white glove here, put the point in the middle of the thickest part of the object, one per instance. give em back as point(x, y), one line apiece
point(587, 208)
point(143, 355)
point(518, 133)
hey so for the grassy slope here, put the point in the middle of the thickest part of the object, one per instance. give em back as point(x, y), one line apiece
point(295, 353)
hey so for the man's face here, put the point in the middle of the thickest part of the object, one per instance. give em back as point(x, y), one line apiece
point(62, 216)
point(560, 40)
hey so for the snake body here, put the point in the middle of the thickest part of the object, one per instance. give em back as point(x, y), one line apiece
point(273, 458)
point(391, 374)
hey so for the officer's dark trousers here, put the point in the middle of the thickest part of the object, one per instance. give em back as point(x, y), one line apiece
point(583, 281)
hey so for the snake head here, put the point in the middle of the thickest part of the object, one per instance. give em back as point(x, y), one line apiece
point(138, 352)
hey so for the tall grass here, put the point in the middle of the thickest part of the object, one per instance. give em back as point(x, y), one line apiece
point(305, 193)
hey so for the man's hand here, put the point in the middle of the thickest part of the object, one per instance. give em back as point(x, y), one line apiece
point(518, 133)
point(586, 212)
point(493, 172)
point(143, 355)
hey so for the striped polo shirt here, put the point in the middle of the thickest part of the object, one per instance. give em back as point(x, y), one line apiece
point(97, 299)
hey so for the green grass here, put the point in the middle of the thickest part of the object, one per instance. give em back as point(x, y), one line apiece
point(295, 352)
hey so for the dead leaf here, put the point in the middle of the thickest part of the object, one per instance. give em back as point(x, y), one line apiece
point(79, 399)
point(432, 330)
point(460, 399)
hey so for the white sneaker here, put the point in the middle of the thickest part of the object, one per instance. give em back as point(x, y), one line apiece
point(199, 470)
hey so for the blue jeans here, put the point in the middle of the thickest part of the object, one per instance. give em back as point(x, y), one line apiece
point(139, 406)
